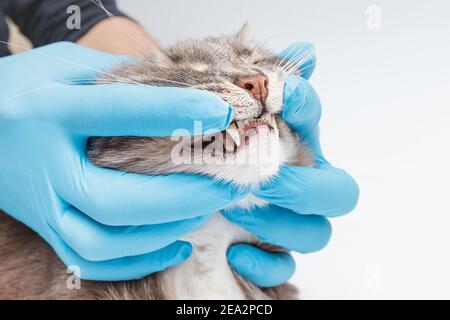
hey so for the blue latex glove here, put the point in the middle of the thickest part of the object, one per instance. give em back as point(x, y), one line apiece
point(112, 225)
point(301, 197)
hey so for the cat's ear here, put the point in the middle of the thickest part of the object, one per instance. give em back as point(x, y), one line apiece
point(243, 32)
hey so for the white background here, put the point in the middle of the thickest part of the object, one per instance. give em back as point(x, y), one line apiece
point(386, 120)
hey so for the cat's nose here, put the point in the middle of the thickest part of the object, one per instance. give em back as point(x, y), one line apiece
point(257, 85)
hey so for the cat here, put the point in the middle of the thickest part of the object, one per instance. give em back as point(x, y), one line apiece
point(248, 153)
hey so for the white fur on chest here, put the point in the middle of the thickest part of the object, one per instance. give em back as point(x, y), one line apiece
point(207, 274)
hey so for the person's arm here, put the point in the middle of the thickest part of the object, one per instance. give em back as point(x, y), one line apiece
point(119, 35)
point(45, 22)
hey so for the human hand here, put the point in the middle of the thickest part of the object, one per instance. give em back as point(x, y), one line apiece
point(112, 225)
point(301, 198)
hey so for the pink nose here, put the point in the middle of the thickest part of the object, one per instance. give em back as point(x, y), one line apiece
point(257, 85)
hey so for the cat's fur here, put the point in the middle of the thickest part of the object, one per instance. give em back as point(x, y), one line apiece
point(29, 269)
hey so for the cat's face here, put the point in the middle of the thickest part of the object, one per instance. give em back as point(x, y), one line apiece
point(231, 68)
point(222, 65)
point(246, 76)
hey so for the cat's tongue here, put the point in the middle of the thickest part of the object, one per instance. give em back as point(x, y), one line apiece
point(243, 130)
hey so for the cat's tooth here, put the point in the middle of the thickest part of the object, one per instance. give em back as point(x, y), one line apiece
point(235, 136)
point(273, 123)
point(229, 143)
point(233, 133)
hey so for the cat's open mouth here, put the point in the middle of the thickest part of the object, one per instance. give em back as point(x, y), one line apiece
point(239, 133)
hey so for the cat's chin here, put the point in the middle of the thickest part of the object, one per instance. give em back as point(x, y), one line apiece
point(244, 175)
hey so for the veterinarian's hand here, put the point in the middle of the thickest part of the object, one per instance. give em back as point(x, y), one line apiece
point(112, 225)
point(301, 198)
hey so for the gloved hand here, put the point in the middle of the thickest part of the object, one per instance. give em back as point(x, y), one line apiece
point(301, 197)
point(112, 225)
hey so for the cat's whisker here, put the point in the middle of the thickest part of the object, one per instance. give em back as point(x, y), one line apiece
point(280, 62)
point(13, 45)
point(89, 81)
point(285, 57)
point(307, 67)
point(184, 84)
point(293, 60)
point(61, 83)
point(290, 62)
point(298, 64)
point(122, 80)
point(115, 81)
point(133, 35)
point(299, 61)
point(299, 55)
point(73, 82)
point(24, 93)
point(125, 80)
point(294, 65)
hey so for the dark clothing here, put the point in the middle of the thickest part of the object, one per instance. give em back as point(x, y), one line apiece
point(45, 21)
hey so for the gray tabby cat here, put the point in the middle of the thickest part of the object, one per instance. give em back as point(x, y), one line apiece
point(248, 153)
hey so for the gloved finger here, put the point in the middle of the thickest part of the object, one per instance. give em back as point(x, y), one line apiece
point(302, 108)
point(278, 226)
point(302, 56)
point(97, 242)
point(260, 267)
point(122, 269)
point(116, 198)
point(132, 110)
point(325, 191)
point(74, 62)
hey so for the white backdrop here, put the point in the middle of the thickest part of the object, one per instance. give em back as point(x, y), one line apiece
point(386, 119)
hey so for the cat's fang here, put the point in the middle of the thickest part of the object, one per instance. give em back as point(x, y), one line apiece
point(233, 133)
point(273, 121)
point(229, 144)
